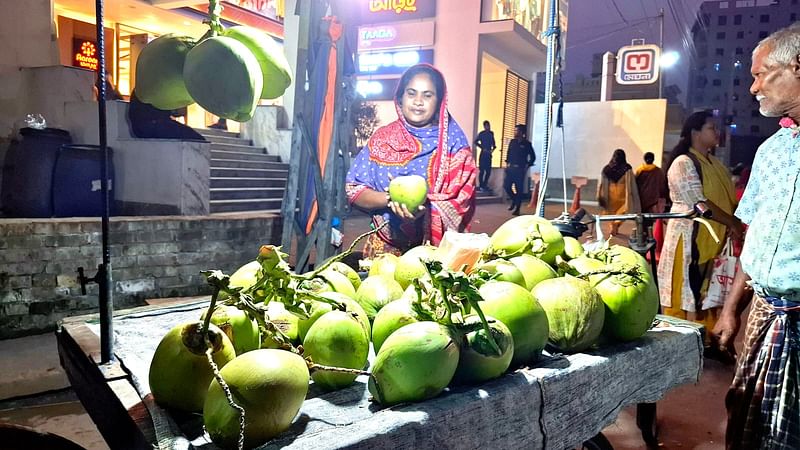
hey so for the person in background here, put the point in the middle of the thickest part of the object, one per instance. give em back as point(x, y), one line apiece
point(617, 192)
point(485, 141)
point(424, 141)
point(149, 122)
point(763, 401)
point(519, 158)
point(687, 256)
point(651, 183)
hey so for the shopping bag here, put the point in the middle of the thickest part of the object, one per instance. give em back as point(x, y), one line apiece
point(722, 274)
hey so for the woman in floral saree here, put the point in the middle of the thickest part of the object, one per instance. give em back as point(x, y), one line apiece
point(423, 141)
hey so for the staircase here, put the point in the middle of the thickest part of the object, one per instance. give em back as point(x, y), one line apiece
point(243, 177)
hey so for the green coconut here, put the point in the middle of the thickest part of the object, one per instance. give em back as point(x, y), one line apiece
point(238, 326)
point(389, 319)
point(415, 363)
point(505, 271)
point(575, 312)
point(347, 271)
point(180, 373)
point(224, 77)
point(336, 339)
point(159, 72)
point(478, 360)
point(516, 307)
point(383, 264)
point(533, 269)
point(409, 266)
point(275, 69)
point(527, 234)
point(376, 291)
point(269, 384)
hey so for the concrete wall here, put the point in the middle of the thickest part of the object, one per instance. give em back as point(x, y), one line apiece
point(151, 258)
point(269, 128)
point(153, 176)
point(593, 130)
point(456, 55)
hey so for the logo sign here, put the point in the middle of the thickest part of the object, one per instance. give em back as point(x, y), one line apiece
point(84, 54)
point(396, 35)
point(386, 11)
point(392, 63)
point(638, 64)
point(382, 89)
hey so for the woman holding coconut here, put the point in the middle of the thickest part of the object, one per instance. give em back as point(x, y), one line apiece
point(424, 141)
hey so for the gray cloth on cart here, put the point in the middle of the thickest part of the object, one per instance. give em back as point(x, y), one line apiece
point(557, 404)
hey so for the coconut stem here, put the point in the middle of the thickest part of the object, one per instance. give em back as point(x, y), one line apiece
point(214, 12)
point(211, 306)
point(342, 255)
point(315, 366)
point(228, 395)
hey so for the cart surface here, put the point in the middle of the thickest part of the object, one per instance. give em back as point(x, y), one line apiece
point(557, 403)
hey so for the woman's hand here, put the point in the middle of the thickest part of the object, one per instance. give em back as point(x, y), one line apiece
point(736, 229)
point(402, 212)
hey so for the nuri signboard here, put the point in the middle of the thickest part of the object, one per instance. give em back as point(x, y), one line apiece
point(386, 11)
point(396, 35)
point(84, 54)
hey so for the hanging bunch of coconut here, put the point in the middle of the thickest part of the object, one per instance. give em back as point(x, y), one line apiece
point(226, 72)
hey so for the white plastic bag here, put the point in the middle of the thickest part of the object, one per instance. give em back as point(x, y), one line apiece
point(722, 275)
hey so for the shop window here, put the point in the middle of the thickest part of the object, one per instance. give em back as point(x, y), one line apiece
point(716, 82)
point(722, 20)
point(739, 50)
point(755, 113)
point(721, 35)
point(763, 34)
point(737, 19)
point(736, 82)
point(740, 35)
point(515, 111)
point(793, 17)
point(763, 18)
point(720, 52)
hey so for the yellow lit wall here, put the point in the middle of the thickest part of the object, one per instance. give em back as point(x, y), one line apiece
point(594, 130)
point(491, 103)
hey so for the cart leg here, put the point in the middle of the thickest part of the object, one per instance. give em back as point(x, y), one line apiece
point(646, 421)
point(599, 442)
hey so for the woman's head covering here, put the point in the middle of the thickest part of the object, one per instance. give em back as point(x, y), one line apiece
point(617, 167)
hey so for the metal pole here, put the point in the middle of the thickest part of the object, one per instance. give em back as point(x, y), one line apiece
point(106, 298)
point(661, 48)
point(553, 32)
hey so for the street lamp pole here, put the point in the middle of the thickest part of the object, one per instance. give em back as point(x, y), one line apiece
point(661, 48)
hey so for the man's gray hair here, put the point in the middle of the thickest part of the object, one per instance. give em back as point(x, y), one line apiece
point(784, 45)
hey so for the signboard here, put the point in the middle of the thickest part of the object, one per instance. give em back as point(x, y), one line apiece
point(396, 35)
point(638, 64)
point(266, 8)
point(387, 11)
point(392, 63)
point(84, 54)
point(383, 89)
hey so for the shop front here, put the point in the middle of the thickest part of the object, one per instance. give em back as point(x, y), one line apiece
point(489, 52)
point(131, 24)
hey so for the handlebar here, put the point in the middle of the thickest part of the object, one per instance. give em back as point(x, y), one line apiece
point(700, 209)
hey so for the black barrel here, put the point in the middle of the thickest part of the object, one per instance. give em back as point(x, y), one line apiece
point(76, 181)
point(28, 172)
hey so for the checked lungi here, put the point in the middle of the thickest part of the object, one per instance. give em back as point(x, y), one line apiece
point(764, 400)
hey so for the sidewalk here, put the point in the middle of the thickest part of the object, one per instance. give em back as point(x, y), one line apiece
point(31, 367)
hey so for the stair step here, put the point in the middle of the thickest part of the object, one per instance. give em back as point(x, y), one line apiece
point(235, 172)
point(246, 193)
point(237, 148)
point(224, 154)
point(254, 204)
point(215, 132)
point(227, 140)
point(245, 164)
point(247, 182)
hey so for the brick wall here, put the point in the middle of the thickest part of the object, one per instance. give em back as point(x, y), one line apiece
point(151, 257)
